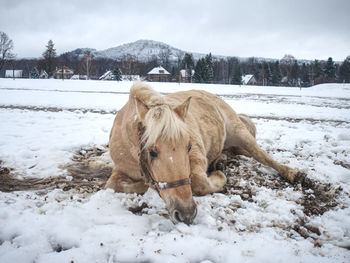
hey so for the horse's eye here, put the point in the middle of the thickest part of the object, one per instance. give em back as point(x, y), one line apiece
point(153, 154)
point(189, 148)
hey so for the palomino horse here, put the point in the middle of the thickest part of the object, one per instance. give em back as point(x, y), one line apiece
point(168, 143)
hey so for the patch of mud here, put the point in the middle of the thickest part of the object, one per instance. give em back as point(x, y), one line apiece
point(245, 176)
point(317, 197)
point(87, 173)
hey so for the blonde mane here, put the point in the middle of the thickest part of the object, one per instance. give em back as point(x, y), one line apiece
point(160, 121)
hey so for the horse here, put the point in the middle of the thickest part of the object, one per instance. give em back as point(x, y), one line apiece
point(169, 142)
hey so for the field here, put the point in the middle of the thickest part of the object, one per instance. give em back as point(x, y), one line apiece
point(54, 161)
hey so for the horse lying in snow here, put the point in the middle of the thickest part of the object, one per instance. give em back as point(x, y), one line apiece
point(168, 143)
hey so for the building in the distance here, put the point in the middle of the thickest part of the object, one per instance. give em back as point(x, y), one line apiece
point(158, 74)
point(108, 75)
point(16, 73)
point(63, 73)
point(249, 79)
point(185, 75)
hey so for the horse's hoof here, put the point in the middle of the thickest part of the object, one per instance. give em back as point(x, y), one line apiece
point(218, 180)
point(299, 178)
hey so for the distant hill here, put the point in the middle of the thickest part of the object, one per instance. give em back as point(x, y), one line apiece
point(143, 50)
point(146, 50)
point(79, 52)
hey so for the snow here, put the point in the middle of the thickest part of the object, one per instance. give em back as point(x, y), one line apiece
point(44, 122)
point(158, 70)
point(246, 78)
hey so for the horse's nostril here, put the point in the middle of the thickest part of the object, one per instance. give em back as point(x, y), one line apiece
point(177, 216)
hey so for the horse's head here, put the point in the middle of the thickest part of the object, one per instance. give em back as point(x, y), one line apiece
point(164, 156)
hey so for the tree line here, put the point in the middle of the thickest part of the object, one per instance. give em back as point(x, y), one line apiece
point(287, 71)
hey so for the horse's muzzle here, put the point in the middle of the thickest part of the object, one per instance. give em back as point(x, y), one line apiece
point(183, 213)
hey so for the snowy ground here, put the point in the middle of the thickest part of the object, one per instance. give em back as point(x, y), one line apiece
point(45, 122)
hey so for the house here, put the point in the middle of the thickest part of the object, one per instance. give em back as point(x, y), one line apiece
point(108, 75)
point(185, 75)
point(43, 74)
point(249, 79)
point(34, 73)
point(13, 73)
point(158, 74)
point(63, 73)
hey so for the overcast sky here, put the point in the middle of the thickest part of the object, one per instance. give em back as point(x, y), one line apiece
point(307, 29)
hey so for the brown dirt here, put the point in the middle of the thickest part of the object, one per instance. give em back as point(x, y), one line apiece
point(81, 175)
point(317, 198)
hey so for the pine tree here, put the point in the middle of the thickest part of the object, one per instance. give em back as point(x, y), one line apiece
point(316, 72)
point(188, 65)
point(50, 60)
point(276, 74)
point(329, 70)
point(305, 78)
point(210, 70)
point(344, 71)
point(294, 74)
point(316, 67)
point(237, 76)
point(268, 73)
point(200, 71)
point(117, 74)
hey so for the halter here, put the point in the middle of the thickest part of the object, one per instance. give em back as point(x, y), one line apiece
point(145, 170)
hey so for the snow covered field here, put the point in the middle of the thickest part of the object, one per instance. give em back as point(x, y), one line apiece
point(45, 122)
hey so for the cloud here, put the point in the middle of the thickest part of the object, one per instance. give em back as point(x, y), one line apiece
point(268, 28)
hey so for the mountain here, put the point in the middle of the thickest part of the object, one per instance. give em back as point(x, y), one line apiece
point(143, 50)
point(79, 52)
point(146, 50)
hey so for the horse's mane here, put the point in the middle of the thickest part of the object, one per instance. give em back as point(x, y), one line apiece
point(160, 121)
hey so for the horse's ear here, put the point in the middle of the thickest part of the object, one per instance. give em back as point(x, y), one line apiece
point(141, 108)
point(182, 109)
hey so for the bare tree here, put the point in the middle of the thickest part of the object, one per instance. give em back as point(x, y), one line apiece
point(164, 56)
point(86, 64)
point(129, 65)
point(6, 45)
point(11, 59)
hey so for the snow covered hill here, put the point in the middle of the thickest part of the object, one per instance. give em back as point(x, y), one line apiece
point(143, 50)
point(146, 50)
point(49, 125)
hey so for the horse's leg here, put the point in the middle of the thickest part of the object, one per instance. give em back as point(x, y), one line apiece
point(235, 150)
point(201, 183)
point(240, 137)
point(120, 182)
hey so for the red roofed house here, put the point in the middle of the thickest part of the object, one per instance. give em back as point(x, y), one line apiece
point(66, 74)
point(158, 74)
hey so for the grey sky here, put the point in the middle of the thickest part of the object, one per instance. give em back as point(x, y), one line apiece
point(309, 29)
